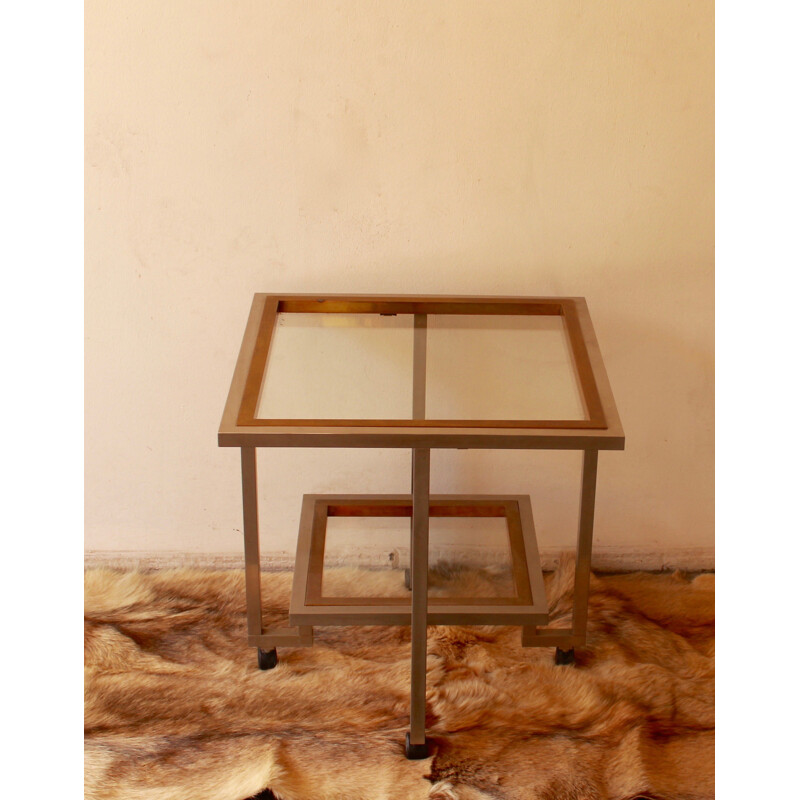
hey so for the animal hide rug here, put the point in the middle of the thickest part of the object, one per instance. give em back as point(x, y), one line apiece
point(176, 707)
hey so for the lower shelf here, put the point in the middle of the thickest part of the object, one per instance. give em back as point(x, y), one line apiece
point(526, 605)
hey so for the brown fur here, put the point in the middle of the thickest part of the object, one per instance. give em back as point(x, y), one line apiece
point(176, 707)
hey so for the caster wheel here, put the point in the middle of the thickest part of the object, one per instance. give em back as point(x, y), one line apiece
point(267, 659)
point(564, 657)
point(264, 794)
point(416, 751)
point(408, 579)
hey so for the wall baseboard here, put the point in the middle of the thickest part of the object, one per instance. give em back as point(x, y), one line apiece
point(607, 558)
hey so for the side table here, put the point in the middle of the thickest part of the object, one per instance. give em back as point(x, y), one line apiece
point(420, 373)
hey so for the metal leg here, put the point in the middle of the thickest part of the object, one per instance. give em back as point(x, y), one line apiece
point(583, 562)
point(417, 406)
point(252, 560)
point(416, 746)
point(267, 659)
point(407, 575)
point(566, 640)
point(265, 640)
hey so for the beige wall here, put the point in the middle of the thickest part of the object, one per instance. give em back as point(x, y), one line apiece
point(534, 148)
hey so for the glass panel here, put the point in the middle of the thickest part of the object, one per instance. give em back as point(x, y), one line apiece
point(486, 367)
point(339, 366)
point(351, 571)
point(468, 557)
point(478, 367)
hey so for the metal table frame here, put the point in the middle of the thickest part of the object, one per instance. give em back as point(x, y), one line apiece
point(240, 427)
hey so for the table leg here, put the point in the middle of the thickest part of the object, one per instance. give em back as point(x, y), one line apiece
point(410, 570)
point(252, 559)
point(583, 562)
point(416, 745)
point(266, 641)
point(418, 399)
point(565, 640)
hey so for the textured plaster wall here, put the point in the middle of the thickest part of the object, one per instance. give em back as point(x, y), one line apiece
point(547, 148)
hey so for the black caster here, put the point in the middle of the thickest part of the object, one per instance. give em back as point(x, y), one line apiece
point(416, 751)
point(264, 794)
point(267, 659)
point(564, 657)
point(408, 579)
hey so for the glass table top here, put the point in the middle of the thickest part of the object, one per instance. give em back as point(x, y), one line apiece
point(407, 363)
point(361, 366)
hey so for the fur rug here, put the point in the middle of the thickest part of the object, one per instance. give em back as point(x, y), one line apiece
point(177, 708)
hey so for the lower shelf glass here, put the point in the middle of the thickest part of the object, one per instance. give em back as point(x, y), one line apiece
point(497, 579)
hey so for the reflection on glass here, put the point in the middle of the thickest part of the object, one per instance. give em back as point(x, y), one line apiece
point(344, 573)
point(339, 366)
point(468, 557)
point(500, 367)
